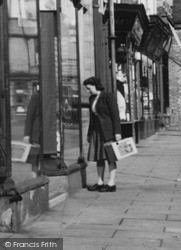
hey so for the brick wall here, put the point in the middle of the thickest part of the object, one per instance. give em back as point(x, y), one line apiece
point(175, 83)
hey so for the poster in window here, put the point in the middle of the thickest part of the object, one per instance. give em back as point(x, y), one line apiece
point(48, 5)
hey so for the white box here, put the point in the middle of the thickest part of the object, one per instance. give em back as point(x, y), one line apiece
point(21, 151)
point(118, 150)
point(124, 148)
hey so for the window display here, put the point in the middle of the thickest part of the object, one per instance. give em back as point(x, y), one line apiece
point(70, 87)
point(24, 75)
point(146, 85)
point(123, 92)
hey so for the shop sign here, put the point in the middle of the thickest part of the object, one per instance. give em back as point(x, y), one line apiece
point(47, 5)
point(137, 31)
point(123, 23)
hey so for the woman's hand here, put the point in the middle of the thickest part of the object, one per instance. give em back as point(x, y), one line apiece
point(118, 137)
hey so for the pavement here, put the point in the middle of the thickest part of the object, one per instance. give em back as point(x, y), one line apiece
point(144, 213)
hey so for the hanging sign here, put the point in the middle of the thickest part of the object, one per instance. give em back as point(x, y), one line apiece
point(137, 31)
point(47, 5)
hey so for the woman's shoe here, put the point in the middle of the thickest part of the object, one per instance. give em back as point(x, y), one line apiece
point(108, 188)
point(95, 187)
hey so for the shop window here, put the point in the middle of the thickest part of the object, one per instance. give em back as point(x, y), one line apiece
point(123, 88)
point(23, 55)
point(70, 84)
point(24, 75)
point(25, 9)
point(146, 87)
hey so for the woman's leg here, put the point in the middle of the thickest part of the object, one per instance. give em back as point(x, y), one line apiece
point(100, 171)
point(112, 174)
point(100, 177)
point(110, 187)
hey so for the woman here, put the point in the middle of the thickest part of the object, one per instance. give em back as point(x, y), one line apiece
point(104, 126)
point(32, 130)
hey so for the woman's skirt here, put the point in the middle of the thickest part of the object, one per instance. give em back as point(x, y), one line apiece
point(96, 144)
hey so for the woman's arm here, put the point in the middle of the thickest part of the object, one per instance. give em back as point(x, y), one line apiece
point(114, 114)
point(30, 116)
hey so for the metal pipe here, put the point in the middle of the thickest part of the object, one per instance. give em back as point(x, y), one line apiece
point(79, 87)
point(112, 40)
point(40, 82)
point(60, 83)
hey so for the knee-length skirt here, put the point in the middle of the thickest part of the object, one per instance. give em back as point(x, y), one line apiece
point(96, 143)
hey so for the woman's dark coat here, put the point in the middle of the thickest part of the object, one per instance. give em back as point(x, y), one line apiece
point(108, 114)
point(32, 128)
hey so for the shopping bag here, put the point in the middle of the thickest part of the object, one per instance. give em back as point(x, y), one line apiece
point(118, 150)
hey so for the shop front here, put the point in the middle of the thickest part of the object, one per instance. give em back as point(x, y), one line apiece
point(131, 22)
point(154, 83)
point(142, 48)
point(40, 57)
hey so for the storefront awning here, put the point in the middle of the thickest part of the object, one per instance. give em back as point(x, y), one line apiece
point(130, 19)
point(156, 38)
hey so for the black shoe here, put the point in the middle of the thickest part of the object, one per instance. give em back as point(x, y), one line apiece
point(108, 188)
point(95, 187)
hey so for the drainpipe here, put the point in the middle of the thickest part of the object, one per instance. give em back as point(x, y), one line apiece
point(112, 41)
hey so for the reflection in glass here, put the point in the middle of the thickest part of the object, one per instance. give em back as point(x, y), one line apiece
point(24, 71)
point(70, 83)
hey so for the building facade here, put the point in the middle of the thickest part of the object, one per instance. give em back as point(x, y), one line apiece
point(54, 48)
point(50, 48)
point(145, 67)
point(174, 65)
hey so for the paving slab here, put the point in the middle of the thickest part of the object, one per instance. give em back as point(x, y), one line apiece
point(151, 235)
point(174, 217)
point(105, 242)
point(146, 225)
point(137, 248)
point(173, 243)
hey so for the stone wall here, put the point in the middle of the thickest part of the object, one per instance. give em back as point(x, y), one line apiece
point(34, 202)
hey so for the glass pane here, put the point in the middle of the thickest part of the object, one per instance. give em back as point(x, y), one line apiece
point(87, 64)
point(22, 17)
point(69, 82)
point(145, 87)
point(24, 77)
point(123, 92)
point(150, 81)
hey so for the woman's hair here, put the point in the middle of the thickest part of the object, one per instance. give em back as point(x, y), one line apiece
point(94, 82)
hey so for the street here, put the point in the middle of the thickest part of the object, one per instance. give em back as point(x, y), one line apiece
point(144, 213)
